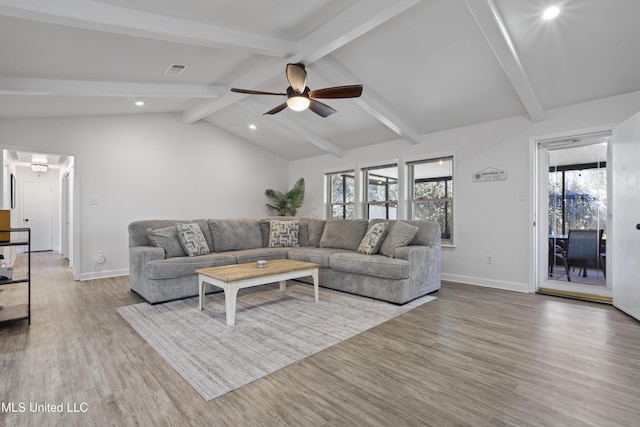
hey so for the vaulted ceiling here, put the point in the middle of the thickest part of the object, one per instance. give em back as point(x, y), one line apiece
point(425, 65)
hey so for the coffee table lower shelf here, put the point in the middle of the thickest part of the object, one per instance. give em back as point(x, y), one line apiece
point(232, 278)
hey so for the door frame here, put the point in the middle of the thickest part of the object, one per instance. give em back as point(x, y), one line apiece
point(535, 216)
point(73, 194)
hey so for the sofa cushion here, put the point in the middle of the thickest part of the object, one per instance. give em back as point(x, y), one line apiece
point(399, 234)
point(192, 239)
point(252, 255)
point(235, 234)
point(316, 255)
point(167, 239)
point(283, 233)
point(171, 268)
point(343, 234)
point(371, 265)
point(315, 229)
point(372, 240)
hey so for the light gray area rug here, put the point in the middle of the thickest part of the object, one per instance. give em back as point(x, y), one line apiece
point(272, 331)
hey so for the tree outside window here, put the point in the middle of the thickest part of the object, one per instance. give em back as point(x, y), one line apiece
point(341, 197)
point(381, 191)
point(577, 197)
point(431, 193)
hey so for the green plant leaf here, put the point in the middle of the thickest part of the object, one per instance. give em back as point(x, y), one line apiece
point(286, 203)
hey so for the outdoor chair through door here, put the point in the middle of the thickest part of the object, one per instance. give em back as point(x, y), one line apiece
point(583, 249)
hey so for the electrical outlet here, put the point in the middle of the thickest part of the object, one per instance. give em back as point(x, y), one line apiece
point(489, 259)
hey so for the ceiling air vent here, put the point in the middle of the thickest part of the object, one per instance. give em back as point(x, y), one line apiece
point(175, 69)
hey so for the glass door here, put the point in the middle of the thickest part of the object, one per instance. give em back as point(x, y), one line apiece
point(572, 213)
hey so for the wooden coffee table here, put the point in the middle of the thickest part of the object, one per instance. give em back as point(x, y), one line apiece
point(232, 278)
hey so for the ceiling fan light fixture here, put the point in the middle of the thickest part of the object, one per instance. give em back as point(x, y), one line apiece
point(298, 103)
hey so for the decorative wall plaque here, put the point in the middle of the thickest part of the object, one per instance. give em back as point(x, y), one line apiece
point(490, 174)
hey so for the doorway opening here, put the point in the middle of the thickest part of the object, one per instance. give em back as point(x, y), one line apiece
point(39, 191)
point(573, 188)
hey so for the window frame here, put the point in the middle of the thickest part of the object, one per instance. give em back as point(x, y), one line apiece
point(366, 174)
point(330, 204)
point(449, 201)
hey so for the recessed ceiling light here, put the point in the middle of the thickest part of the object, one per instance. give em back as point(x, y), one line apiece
point(139, 103)
point(253, 127)
point(551, 12)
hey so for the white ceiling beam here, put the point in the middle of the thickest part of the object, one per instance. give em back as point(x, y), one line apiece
point(356, 20)
point(24, 86)
point(262, 74)
point(97, 16)
point(368, 101)
point(492, 26)
point(305, 134)
point(360, 18)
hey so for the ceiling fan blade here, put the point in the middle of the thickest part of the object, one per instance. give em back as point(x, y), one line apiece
point(277, 109)
point(255, 92)
point(297, 76)
point(321, 109)
point(352, 91)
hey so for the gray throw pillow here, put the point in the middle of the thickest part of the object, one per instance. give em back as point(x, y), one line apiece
point(283, 233)
point(399, 234)
point(372, 241)
point(167, 239)
point(192, 239)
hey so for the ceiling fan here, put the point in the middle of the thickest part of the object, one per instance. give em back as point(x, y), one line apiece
point(300, 97)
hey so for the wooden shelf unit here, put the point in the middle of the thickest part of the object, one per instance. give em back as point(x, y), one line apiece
point(20, 311)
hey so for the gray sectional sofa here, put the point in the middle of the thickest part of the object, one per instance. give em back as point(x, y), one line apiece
point(397, 262)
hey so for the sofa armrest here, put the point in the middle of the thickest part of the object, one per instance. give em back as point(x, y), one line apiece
point(146, 253)
point(139, 256)
point(406, 252)
point(424, 264)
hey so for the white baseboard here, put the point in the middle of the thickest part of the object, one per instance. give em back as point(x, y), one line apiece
point(104, 274)
point(487, 283)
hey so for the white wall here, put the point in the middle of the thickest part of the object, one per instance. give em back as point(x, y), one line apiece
point(490, 218)
point(148, 166)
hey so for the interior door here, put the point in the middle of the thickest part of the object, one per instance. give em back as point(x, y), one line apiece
point(37, 213)
point(625, 268)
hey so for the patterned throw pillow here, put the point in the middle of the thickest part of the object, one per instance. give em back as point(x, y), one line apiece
point(167, 239)
point(192, 239)
point(283, 233)
point(371, 241)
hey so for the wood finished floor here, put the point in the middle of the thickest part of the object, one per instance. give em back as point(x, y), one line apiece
point(475, 356)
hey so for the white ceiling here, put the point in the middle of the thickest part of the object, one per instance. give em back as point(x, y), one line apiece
point(425, 65)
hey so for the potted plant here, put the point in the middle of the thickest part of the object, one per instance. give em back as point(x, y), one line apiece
point(286, 204)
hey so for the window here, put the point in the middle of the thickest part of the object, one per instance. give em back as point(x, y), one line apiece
point(341, 197)
point(577, 197)
point(431, 193)
point(381, 191)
